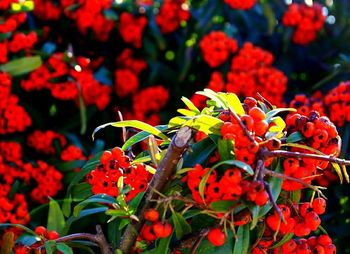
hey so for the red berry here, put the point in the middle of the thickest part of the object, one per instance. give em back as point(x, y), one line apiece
point(312, 220)
point(216, 237)
point(330, 249)
point(106, 157)
point(147, 233)
point(301, 229)
point(162, 230)
point(257, 114)
point(324, 240)
point(319, 205)
point(318, 250)
point(151, 215)
point(40, 230)
point(52, 235)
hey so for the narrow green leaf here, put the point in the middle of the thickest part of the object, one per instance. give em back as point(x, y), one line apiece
point(190, 105)
point(295, 196)
point(186, 112)
point(66, 206)
point(203, 183)
point(99, 198)
point(242, 241)
point(140, 136)
point(28, 230)
point(200, 152)
point(163, 245)
point(213, 96)
point(64, 248)
point(116, 212)
point(49, 245)
point(233, 102)
point(22, 65)
point(222, 205)
point(226, 149)
point(276, 111)
point(135, 202)
point(295, 137)
point(134, 124)
point(55, 219)
point(27, 240)
point(181, 226)
point(240, 164)
point(255, 216)
point(284, 239)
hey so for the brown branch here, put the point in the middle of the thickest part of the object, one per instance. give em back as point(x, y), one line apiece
point(243, 127)
point(183, 199)
point(282, 153)
point(199, 240)
point(166, 169)
point(273, 202)
point(264, 100)
point(285, 177)
point(99, 239)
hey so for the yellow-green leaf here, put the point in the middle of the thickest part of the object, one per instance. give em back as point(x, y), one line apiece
point(233, 102)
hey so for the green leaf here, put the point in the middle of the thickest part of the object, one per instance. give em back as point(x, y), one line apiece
point(276, 111)
point(295, 137)
point(21, 65)
point(226, 149)
point(181, 226)
point(284, 239)
point(233, 102)
point(242, 240)
point(186, 112)
point(142, 135)
point(64, 248)
point(82, 214)
point(214, 96)
point(27, 239)
point(222, 205)
point(190, 105)
point(255, 210)
point(99, 198)
point(7, 243)
point(55, 219)
point(207, 248)
point(203, 183)
point(113, 233)
point(270, 16)
point(134, 124)
point(66, 206)
point(163, 245)
point(28, 230)
point(117, 212)
point(135, 202)
point(49, 245)
point(240, 164)
point(200, 152)
point(81, 191)
point(295, 196)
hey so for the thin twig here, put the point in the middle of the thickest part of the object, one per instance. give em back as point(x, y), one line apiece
point(288, 154)
point(99, 238)
point(178, 197)
point(273, 202)
point(264, 100)
point(199, 240)
point(285, 177)
point(243, 127)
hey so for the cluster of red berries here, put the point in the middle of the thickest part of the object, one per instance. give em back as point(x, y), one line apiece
point(154, 229)
point(252, 72)
point(43, 141)
point(241, 4)
point(77, 69)
point(314, 244)
point(13, 118)
point(229, 187)
point(171, 14)
point(337, 102)
point(47, 10)
point(131, 28)
point(11, 21)
point(319, 132)
point(307, 20)
point(216, 48)
point(304, 104)
point(113, 165)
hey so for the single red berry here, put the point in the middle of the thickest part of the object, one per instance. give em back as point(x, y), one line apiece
point(312, 241)
point(257, 114)
point(147, 233)
point(318, 250)
point(319, 205)
point(151, 215)
point(162, 230)
point(324, 240)
point(289, 246)
point(312, 220)
point(40, 230)
point(304, 209)
point(330, 249)
point(301, 229)
point(52, 235)
point(216, 237)
point(117, 152)
point(106, 157)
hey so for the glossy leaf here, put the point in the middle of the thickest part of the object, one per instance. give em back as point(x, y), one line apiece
point(55, 220)
point(242, 240)
point(181, 226)
point(295, 137)
point(64, 248)
point(226, 149)
point(99, 198)
point(22, 65)
point(222, 205)
point(233, 102)
point(190, 105)
point(134, 124)
point(240, 164)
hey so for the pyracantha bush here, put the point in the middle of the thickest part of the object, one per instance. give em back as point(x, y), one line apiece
point(231, 177)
